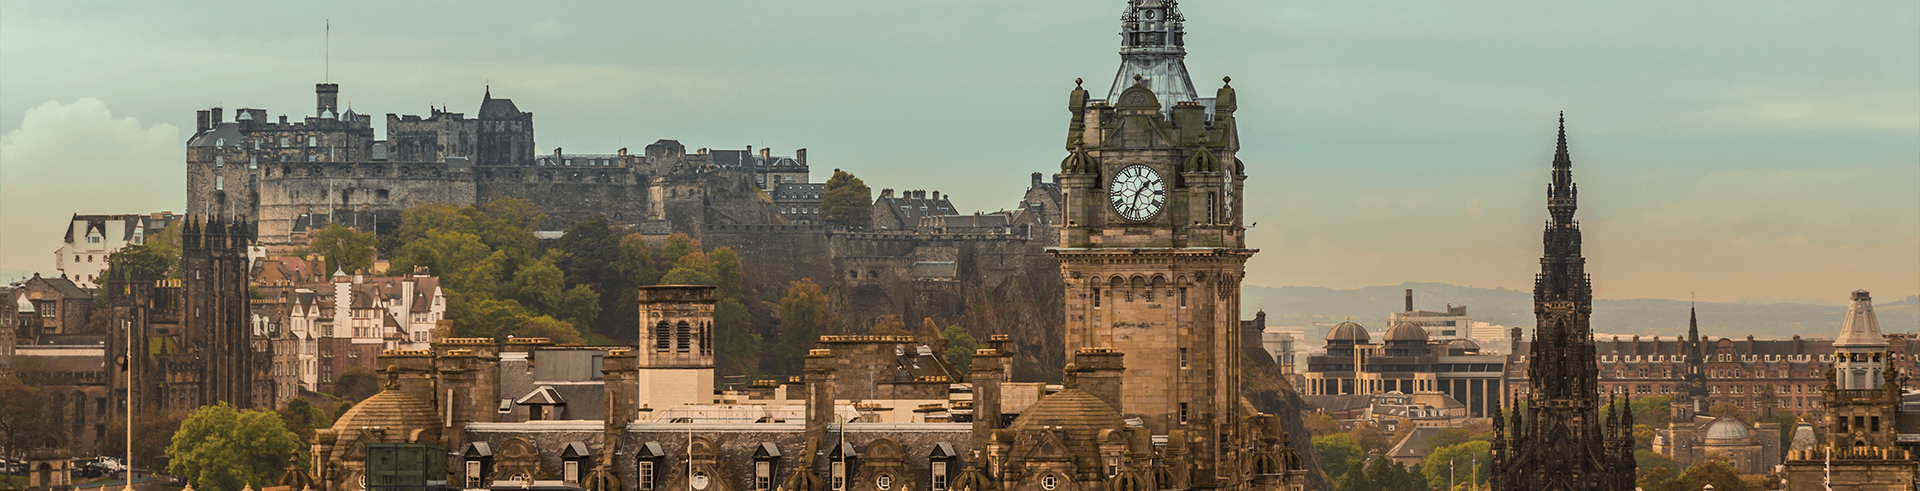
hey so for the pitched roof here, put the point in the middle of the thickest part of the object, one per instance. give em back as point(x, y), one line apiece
point(1415, 444)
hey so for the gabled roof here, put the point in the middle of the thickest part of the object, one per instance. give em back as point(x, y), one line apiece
point(1414, 446)
point(545, 395)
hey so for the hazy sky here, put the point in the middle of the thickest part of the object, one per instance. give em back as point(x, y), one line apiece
point(1742, 150)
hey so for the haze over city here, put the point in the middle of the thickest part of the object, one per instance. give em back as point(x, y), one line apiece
point(1735, 151)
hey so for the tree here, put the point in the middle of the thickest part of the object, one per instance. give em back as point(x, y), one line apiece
point(1320, 423)
point(1355, 478)
point(737, 346)
point(345, 249)
point(1336, 451)
point(1726, 409)
point(220, 448)
point(356, 383)
point(847, 201)
point(805, 313)
point(687, 276)
point(960, 347)
point(152, 432)
point(25, 421)
point(1457, 463)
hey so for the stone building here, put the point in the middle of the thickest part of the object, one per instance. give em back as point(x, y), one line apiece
point(1406, 361)
point(904, 212)
point(91, 238)
point(1871, 432)
point(1735, 371)
point(1115, 424)
point(196, 332)
point(1562, 443)
point(50, 307)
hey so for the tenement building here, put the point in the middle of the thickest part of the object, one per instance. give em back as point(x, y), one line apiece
point(1872, 432)
point(1740, 372)
point(1153, 254)
point(1561, 442)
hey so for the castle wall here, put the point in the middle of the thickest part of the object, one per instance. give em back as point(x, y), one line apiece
point(290, 190)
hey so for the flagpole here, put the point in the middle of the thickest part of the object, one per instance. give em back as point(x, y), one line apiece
point(127, 469)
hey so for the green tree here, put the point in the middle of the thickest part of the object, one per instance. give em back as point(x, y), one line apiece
point(542, 287)
point(557, 330)
point(805, 313)
point(1355, 478)
point(220, 448)
point(25, 421)
point(345, 249)
point(1335, 451)
point(687, 276)
point(1456, 463)
point(152, 432)
point(737, 347)
point(1654, 467)
point(960, 346)
point(847, 201)
point(591, 252)
point(356, 383)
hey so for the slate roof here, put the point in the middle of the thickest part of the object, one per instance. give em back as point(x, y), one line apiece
point(1414, 446)
point(491, 108)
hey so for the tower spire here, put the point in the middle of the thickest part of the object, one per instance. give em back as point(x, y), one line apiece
point(1153, 47)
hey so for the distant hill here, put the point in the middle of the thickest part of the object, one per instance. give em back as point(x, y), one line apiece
point(1315, 307)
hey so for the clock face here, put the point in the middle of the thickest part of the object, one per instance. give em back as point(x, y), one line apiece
point(1137, 193)
point(699, 481)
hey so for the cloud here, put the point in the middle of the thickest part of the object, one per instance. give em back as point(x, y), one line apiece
point(77, 158)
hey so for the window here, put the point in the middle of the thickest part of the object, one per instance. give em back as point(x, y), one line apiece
point(313, 141)
point(939, 472)
point(219, 183)
point(646, 474)
point(570, 471)
point(1183, 296)
point(1183, 358)
point(683, 337)
point(662, 337)
point(1049, 482)
point(473, 474)
point(1183, 413)
point(762, 475)
point(1096, 298)
point(839, 475)
point(884, 482)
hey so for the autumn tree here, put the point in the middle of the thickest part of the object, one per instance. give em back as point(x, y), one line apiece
point(805, 313)
point(847, 202)
point(220, 448)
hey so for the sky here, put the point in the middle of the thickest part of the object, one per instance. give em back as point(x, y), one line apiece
point(1750, 151)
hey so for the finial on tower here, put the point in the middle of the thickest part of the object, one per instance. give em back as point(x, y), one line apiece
point(1076, 82)
point(1136, 79)
point(1226, 80)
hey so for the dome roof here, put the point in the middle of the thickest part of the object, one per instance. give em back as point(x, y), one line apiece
point(1348, 331)
point(1071, 409)
point(1406, 331)
point(1728, 429)
point(1465, 344)
point(390, 409)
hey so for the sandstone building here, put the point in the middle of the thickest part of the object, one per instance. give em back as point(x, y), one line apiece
point(1871, 429)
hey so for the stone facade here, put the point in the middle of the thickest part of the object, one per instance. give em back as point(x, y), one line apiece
point(50, 306)
point(196, 330)
point(1872, 439)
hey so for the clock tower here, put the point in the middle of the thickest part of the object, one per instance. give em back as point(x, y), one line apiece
point(1152, 249)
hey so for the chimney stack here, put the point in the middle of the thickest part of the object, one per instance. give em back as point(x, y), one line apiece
point(766, 152)
point(800, 155)
point(1409, 300)
point(205, 123)
point(218, 115)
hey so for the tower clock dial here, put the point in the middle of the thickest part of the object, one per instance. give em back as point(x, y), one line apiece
point(1137, 193)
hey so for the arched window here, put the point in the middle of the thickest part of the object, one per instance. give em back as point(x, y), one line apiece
point(684, 337)
point(662, 337)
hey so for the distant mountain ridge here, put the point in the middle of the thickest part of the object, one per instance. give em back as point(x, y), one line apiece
point(1315, 308)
